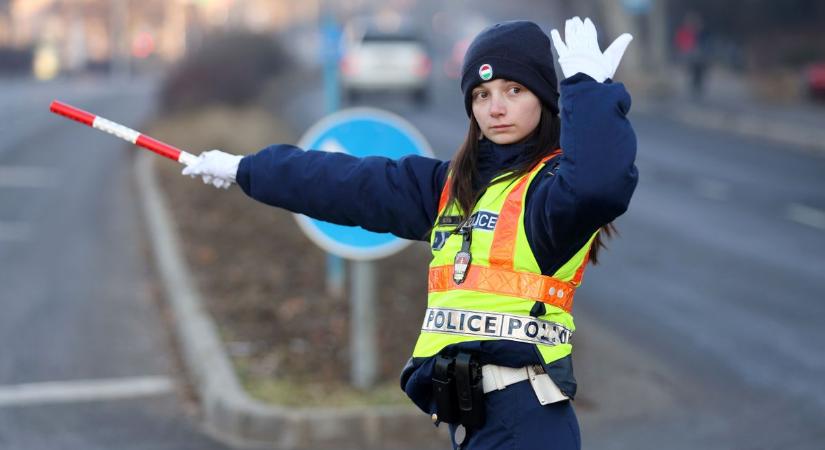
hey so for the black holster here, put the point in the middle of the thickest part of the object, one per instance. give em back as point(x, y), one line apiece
point(458, 391)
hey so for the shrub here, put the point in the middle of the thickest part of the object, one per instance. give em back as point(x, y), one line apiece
point(228, 68)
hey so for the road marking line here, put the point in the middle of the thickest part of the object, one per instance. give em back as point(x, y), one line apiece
point(27, 177)
point(806, 215)
point(83, 391)
point(13, 231)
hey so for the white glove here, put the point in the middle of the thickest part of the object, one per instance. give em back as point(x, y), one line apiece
point(215, 167)
point(581, 53)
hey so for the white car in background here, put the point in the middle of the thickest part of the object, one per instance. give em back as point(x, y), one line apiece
point(378, 60)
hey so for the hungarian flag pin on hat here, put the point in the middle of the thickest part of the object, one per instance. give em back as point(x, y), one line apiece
point(485, 72)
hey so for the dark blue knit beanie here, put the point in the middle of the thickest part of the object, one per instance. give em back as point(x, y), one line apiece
point(516, 50)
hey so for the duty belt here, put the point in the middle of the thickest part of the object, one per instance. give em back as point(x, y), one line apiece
point(495, 325)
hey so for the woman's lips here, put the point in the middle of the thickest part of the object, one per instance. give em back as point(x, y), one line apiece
point(500, 127)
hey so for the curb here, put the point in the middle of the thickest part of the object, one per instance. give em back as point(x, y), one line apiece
point(228, 411)
point(743, 124)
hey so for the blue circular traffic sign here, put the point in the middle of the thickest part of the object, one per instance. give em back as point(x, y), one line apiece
point(360, 132)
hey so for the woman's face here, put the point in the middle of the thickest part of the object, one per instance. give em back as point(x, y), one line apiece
point(505, 110)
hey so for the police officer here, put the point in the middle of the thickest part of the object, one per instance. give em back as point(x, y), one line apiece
point(513, 220)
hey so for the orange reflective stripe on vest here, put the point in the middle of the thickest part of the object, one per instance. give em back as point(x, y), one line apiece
point(526, 285)
point(577, 279)
point(504, 239)
point(445, 195)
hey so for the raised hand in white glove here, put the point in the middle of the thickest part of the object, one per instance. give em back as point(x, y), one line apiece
point(215, 167)
point(581, 53)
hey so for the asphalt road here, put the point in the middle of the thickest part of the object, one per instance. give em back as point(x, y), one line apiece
point(86, 360)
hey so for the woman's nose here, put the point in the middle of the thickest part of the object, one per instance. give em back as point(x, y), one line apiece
point(497, 108)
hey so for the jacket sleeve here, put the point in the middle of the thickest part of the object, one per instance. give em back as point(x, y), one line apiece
point(376, 193)
point(595, 177)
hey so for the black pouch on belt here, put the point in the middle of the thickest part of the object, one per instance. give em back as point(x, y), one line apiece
point(470, 391)
point(444, 389)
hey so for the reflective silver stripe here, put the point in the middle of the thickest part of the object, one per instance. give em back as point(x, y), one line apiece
point(116, 129)
point(495, 325)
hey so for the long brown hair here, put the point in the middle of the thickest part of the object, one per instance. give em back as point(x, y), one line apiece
point(464, 186)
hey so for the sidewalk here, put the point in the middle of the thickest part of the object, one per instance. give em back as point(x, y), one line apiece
point(728, 104)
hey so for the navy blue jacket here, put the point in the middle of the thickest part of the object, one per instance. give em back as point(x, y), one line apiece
point(574, 194)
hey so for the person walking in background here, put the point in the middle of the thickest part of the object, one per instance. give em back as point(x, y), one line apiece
point(512, 220)
point(690, 42)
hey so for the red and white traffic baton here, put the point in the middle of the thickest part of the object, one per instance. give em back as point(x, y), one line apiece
point(125, 133)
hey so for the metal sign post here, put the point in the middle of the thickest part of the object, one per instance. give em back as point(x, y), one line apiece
point(330, 58)
point(362, 325)
point(361, 132)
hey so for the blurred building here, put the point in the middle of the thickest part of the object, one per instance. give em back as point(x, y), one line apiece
point(5, 23)
point(77, 35)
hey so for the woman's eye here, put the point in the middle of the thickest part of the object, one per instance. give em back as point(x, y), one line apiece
point(515, 90)
point(480, 95)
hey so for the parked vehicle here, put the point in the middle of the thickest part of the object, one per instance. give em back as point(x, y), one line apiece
point(379, 60)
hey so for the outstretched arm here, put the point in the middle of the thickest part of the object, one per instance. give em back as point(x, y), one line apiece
point(376, 193)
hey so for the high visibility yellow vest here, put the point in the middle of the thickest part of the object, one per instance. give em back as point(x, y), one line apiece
point(503, 281)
